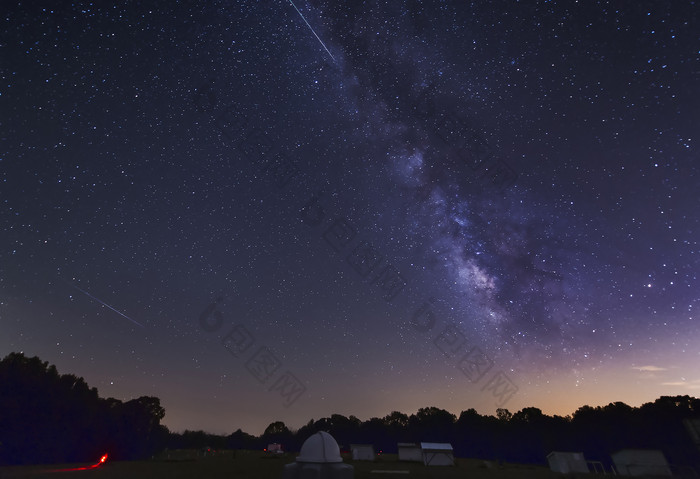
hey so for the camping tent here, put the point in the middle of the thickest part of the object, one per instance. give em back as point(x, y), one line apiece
point(410, 451)
point(567, 462)
point(362, 452)
point(437, 454)
point(641, 462)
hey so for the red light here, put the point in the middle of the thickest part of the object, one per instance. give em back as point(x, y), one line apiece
point(103, 459)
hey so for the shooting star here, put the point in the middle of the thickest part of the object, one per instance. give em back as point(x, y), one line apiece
point(312, 30)
point(105, 304)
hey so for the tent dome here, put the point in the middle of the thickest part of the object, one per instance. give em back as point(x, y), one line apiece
point(321, 447)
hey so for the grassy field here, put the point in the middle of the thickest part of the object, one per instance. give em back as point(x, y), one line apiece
point(256, 465)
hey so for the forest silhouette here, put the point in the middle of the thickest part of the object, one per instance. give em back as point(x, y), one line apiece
point(47, 417)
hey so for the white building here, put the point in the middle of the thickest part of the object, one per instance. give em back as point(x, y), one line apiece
point(693, 428)
point(362, 452)
point(410, 451)
point(641, 462)
point(437, 454)
point(567, 462)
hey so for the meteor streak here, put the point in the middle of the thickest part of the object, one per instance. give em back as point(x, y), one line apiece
point(105, 304)
point(312, 30)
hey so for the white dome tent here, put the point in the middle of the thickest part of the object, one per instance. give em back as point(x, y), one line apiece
point(320, 448)
point(319, 458)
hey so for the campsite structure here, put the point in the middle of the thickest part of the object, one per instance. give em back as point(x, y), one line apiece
point(274, 448)
point(437, 454)
point(567, 462)
point(410, 451)
point(320, 458)
point(362, 452)
point(693, 428)
point(641, 462)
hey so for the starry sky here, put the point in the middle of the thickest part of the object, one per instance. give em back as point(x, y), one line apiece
point(262, 211)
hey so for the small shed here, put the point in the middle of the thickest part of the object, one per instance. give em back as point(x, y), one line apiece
point(410, 451)
point(437, 454)
point(274, 448)
point(567, 462)
point(362, 452)
point(641, 462)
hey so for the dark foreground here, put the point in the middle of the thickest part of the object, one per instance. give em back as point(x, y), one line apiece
point(254, 465)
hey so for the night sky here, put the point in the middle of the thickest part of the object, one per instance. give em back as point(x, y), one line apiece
point(259, 213)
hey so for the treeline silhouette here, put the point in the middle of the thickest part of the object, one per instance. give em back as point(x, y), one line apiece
point(50, 418)
point(526, 436)
point(47, 417)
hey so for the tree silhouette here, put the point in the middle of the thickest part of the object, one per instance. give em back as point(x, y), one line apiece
point(277, 432)
point(503, 414)
point(46, 417)
point(431, 424)
point(242, 440)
